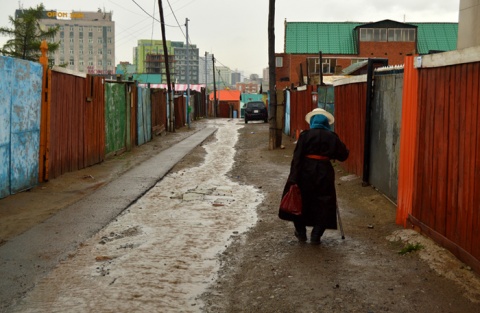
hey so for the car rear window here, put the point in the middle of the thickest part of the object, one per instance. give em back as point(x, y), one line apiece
point(255, 105)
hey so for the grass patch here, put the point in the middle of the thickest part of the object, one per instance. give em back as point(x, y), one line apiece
point(410, 248)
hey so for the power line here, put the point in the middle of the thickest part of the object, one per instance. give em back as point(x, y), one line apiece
point(176, 19)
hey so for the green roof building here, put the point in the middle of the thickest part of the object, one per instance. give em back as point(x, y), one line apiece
point(312, 48)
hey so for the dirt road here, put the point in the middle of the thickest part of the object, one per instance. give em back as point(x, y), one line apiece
point(207, 239)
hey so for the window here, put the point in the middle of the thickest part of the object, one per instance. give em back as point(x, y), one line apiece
point(80, 40)
point(100, 51)
point(71, 51)
point(80, 62)
point(71, 28)
point(90, 40)
point(279, 61)
point(80, 51)
point(401, 34)
point(90, 63)
point(99, 63)
point(90, 51)
point(80, 28)
point(100, 40)
point(72, 40)
point(90, 35)
point(328, 65)
point(71, 62)
point(387, 34)
point(109, 51)
point(71, 34)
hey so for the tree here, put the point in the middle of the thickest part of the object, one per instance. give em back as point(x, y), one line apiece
point(27, 35)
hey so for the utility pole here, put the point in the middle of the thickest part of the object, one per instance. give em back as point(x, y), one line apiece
point(275, 138)
point(206, 84)
point(167, 69)
point(188, 75)
point(214, 89)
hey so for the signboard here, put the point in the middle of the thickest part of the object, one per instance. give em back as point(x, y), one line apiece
point(64, 15)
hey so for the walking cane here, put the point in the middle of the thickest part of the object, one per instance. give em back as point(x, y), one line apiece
point(340, 222)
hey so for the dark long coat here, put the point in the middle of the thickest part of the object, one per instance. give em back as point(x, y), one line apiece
point(316, 178)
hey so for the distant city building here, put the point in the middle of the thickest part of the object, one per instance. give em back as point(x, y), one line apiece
point(236, 78)
point(251, 87)
point(266, 75)
point(149, 58)
point(87, 40)
point(223, 77)
point(205, 71)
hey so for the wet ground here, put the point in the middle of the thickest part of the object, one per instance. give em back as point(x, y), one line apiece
point(206, 238)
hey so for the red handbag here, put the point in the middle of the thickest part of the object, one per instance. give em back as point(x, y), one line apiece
point(292, 201)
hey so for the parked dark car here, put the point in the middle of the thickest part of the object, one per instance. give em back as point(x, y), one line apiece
point(255, 111)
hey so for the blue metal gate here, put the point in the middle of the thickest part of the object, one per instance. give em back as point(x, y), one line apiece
point(20, 109)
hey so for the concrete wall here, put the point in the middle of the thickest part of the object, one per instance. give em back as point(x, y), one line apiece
point(385, 133)
point(469, 24)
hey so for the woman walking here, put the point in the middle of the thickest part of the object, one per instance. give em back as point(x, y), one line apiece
point(313, 172)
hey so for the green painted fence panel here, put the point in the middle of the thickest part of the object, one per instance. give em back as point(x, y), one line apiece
point(116, 121)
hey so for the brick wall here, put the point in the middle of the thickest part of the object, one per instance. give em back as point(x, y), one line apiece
point(395, 52)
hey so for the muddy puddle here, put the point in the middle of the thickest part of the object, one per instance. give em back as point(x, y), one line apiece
point(162, 252)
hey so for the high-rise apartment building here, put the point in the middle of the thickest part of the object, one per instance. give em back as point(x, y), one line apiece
point(87, 40)
point(149, 58)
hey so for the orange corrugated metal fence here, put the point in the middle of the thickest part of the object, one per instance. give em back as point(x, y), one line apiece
point(446, 198)
point(159, 110)
point(180, 114)
point(350, 102)
point(300, 104)
point(75, 124)
point(408, 141)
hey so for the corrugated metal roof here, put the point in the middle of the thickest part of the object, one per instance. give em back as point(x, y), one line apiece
point(340, 37)
point(312, 37)
point(226, 95)
point(352, 68)
point(436, 36)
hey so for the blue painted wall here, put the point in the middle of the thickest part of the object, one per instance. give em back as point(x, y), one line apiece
point(144, 116)
point(20, 109)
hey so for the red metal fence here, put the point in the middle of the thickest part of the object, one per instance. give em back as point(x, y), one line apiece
point(350, 107)
point(75, 123)
point(446, 198)
point(300, 104)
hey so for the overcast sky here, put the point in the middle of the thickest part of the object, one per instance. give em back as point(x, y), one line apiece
point(235, 31)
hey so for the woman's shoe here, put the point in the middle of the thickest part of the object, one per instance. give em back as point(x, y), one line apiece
point(317, 233)
point(302, 237)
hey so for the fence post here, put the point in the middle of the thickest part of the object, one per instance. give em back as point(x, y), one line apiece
point(44, 119)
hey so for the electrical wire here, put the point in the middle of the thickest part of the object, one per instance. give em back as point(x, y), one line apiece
point(171, 9)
